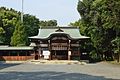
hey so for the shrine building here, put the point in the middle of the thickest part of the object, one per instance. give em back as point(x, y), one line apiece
point(57, 43)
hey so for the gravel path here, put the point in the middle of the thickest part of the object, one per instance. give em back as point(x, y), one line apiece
point(28, 71)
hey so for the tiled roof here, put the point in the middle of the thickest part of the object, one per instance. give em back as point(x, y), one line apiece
point(15, 48)
point(72, 32)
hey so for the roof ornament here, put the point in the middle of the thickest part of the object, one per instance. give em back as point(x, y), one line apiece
point(59, 30)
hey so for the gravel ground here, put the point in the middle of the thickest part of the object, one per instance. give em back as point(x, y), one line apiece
point(29, 71)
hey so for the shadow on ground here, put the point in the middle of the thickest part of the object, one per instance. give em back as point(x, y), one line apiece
point(6, 65)
point(48, 76)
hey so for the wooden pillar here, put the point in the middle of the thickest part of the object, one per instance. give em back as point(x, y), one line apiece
point(79, 51)
point(18, 56)
point(39, 50)
point(9, 58)
point(69, 52)
point(26, 55)
point(49, 47)
point(39, 53)
point(8, 53)
point(34, 55)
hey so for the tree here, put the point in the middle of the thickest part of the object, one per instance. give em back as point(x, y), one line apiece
point(48, 23)
point(2, 31)
point(19, 37)
point(32, 25)
point(100, 20)
point(8, 20)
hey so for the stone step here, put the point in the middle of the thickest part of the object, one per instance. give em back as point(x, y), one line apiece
point(56, 62)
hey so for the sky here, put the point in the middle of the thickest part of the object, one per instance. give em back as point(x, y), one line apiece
point(64, 11)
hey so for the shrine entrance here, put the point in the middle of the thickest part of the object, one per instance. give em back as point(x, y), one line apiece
point(59, 55)
point(58, 43)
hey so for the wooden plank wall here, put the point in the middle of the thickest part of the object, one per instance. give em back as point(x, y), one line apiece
point(15, 58)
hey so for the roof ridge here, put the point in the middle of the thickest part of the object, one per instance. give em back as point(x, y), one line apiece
point(57, 27)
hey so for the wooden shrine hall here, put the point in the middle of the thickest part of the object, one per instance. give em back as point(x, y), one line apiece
point(57, 43)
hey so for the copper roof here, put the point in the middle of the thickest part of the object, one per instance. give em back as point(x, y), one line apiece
point(71, 32)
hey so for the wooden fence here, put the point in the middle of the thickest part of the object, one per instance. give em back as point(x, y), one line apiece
point(15, 58)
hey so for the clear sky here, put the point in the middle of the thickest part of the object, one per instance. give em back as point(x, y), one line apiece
point(64, 11)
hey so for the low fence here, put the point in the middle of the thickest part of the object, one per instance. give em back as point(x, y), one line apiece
point(15, 58)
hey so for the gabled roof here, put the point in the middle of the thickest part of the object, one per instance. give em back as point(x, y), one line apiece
point(72, 32)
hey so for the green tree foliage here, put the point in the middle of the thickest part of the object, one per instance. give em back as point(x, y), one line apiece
point(32, 25)
point(100, 20)
point(48, 23)
point(10, 23)
point(76, 23)
point(19, 37)
point(8, 18)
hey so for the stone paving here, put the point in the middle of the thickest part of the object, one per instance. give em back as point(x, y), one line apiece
point(30, 71)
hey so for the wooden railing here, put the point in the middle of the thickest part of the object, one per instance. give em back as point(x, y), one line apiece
point(15, 58)
point(60, 57)
point(59, 47)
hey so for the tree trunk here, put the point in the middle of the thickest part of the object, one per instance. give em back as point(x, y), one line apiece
point(118, 58)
